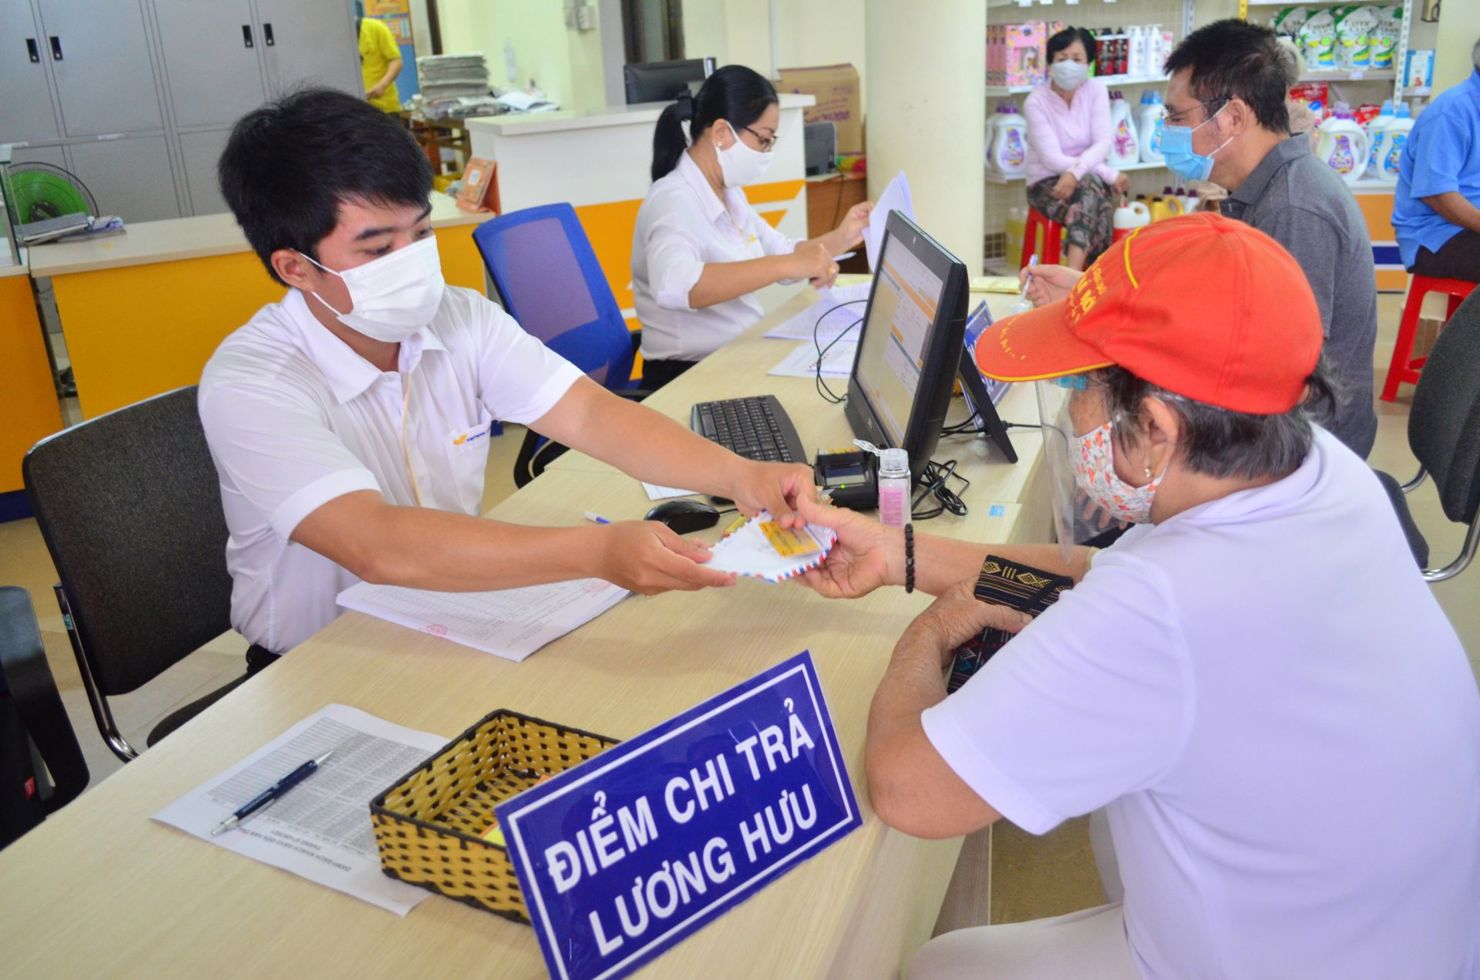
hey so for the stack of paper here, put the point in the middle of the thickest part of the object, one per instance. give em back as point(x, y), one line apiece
point(509, 623)
point(804, 361)
point(837, 311)
point(320, 830)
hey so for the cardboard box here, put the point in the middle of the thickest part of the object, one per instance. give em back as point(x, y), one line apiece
point(836, 89)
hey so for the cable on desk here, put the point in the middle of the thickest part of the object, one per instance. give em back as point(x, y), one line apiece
point(936, 482)
point(823, 389)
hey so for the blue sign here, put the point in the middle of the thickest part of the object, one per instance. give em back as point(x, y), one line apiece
point(626, 854)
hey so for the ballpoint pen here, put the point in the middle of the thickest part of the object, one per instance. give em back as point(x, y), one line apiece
point(272, 793)
point(1024, 304)
point(595, 518)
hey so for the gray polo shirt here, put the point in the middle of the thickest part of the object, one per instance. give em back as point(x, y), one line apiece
point(1301, 203)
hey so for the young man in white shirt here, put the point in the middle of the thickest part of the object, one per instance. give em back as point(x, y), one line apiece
point(349, 422)
point(1255, 682)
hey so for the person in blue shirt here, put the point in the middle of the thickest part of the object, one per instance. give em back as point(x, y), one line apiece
point(1436, 210)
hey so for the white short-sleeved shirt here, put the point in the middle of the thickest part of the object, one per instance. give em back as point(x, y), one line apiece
point(1281, 723)
point(295, 418)
point(681, 227)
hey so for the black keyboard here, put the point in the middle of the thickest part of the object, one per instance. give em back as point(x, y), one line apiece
point(756, 427)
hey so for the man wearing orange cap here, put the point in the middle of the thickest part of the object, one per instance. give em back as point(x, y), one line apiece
point(1255, 684)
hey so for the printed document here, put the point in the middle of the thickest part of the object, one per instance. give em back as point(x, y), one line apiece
point(802, 362)
point(896, 197)
point(508, 623)
point(827, 318)
point(655, 492)
point(320, 829)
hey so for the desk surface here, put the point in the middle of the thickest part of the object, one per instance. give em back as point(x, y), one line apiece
point(100, 888)
point(644, 113)
point(184, 238)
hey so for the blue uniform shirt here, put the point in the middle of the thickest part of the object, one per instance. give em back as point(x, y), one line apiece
point(1442, 155)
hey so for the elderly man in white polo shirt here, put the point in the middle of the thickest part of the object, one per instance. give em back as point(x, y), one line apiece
point(1254, 682)
point(349, 421)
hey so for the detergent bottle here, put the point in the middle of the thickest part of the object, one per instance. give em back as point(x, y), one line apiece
point(1148, 126)
point(1125, 147)
point(1130, 216)
point(1375, 129)
point(1165, 205)
point(1394, 138)
point(1342, 145)
point(1007, 146)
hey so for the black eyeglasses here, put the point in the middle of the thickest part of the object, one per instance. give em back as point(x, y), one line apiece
point(766, 142)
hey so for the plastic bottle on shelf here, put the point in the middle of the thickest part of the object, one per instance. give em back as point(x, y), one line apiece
point(1394, 138)
point(1375, 130)
point(1007, 144)
point(1136, 46)
point(1130, 215)
point(1341, 144)
point(1191, 202)
point(1160, 49)
point(1149, 125)
point(1125, 146)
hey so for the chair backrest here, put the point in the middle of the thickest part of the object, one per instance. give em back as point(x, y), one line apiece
point(33, 724)
point(548, 279)
point(130, 508)
point(1444, 426)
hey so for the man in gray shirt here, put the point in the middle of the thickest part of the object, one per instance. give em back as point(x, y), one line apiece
point(1228, 86)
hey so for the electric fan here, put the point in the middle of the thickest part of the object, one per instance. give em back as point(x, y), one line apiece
point(38, 191)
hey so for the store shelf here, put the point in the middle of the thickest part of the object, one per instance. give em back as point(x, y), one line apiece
point(1370, 184)
point(995, 178)
point(1111, 81)
point(1354, 75)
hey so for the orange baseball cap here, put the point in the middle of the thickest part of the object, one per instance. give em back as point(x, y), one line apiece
point(1202, 305)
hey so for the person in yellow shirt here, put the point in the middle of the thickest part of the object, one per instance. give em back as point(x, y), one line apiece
point(380, 63)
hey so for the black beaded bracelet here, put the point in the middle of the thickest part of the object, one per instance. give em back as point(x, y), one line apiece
point(909, 558)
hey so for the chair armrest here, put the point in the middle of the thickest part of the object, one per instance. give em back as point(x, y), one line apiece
point(28, 677)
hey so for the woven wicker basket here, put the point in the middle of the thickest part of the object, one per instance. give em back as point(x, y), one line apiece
point(427, 825)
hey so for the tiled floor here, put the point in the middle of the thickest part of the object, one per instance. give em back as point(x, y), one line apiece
point(1036, 876)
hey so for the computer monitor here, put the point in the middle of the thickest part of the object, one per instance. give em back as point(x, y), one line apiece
point(910, 350)
point(664, 81)
point(982, 393)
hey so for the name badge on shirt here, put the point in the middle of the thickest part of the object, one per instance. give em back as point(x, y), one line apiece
point(479, 431)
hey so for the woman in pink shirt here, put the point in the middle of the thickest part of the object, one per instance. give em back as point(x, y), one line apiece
point(1068, 143)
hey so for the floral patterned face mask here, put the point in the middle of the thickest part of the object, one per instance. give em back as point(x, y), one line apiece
point(1094, 471)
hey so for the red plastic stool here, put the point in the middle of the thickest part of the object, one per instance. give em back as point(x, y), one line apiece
point(1052, 231)
point(1405, 367)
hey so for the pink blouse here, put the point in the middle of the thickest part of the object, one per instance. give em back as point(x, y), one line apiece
point(1069, 136)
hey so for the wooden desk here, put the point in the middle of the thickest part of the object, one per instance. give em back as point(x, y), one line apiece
point(142, 312)
point(100, 888)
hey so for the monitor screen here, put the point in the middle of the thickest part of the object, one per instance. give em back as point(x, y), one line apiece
point(664, 81)
point(982, 393)
point(910, 349)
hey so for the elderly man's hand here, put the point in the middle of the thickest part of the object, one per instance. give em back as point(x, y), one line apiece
point(958, 615)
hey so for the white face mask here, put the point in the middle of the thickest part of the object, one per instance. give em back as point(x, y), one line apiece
point(740, 164)
point(393, 296)
point(1068, 75)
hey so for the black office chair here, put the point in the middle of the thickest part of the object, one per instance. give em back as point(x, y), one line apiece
point(41, 764)
point(130, 509)
point(1444, 431)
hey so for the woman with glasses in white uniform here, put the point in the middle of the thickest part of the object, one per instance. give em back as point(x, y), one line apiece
point(700, 250)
